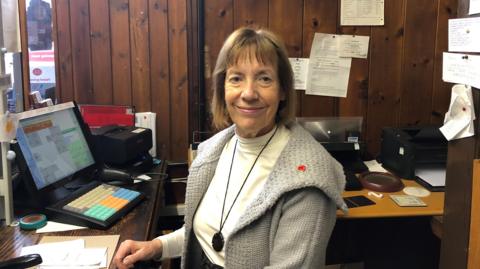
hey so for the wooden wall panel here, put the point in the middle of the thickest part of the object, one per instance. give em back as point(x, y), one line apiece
point(81, 54)
point(357, 94)
point(121, 66)
point(292, 37)
point(419, 53)
point(253, 13)
point(447, 9)
point(128, 52)
point(136, 53)
point(64, 50)
point(160, 73)
point(385, 82)
point(321, 17)
point(139, 40)
point(218, 23)
point(101, 53)
point(177, 25)
point(473, 260)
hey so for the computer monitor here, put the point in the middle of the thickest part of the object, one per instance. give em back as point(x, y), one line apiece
point(54, 148)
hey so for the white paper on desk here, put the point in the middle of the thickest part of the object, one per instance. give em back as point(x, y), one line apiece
point(300, 72)
point(374, 166)
point(435, 176)
point(459, 118)
point(68, 254)
point(54, 252)
point(327, 73)
point(58, 227)
point(464, 35)
point(362, 12)
point(461, 68)
point(353, 46)
point(474, 7)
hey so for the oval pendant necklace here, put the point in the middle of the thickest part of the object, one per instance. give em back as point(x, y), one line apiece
point(218, 240)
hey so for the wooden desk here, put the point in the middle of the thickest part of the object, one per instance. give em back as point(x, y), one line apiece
point(385, 207)
point(138, 224)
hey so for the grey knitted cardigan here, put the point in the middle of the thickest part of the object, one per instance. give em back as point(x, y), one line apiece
point(288, 225)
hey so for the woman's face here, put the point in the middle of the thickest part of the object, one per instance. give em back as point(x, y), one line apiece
point(252, 95)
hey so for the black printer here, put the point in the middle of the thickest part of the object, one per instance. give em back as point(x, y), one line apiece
point(404, 149)
point(124, 147)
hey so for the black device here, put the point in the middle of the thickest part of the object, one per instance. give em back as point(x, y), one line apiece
point(54, 156)
point(405, 149)
point(341, 137)
point(25, 261)
point(124, 147)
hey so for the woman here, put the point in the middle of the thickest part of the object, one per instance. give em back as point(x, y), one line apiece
point(261, 192)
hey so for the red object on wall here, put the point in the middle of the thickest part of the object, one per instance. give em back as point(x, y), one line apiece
point(101, 115)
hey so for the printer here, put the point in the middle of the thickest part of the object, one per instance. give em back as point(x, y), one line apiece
point(341, 137)
point(405, 149)
point(123, 147)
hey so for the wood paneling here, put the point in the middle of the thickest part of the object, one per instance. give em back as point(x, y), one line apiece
point(474, 242)
point(64, 63)
point(447, 9)
point(128, 52)
point(101, 52)
point(454, 251)
point(418, 56)
point(160, 72)
point(319, 17)
point(81, 53)
point(139, 40)
point(177, 25)
point(137, 53)
point(253, 13)
point(385, 83)
point(122, 69)
point(398, 85)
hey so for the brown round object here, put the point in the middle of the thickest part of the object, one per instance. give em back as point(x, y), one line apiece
point(381, 182)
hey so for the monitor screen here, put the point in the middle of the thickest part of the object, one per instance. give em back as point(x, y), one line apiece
point(53, 144)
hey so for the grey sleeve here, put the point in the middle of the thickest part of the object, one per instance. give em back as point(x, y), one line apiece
point(303, 230)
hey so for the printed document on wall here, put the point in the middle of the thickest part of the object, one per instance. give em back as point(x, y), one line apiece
point(464, 35)
point(327, 73)
point(461, 68)
point(362, 12)
point(354, 46)
point(300, 72)
point(474, 7)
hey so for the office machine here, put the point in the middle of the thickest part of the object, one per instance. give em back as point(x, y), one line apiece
point(54, 156)
point(124, 147)
point(341, 137)
point(403, 150)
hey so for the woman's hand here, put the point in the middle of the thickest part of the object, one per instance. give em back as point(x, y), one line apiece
point(131, 252)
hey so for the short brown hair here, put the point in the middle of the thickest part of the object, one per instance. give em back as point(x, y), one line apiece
point(267, 48)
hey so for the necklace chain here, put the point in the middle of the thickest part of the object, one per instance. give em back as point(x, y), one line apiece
point(222, 222)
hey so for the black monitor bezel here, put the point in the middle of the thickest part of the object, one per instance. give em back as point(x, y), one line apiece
point(82, 174)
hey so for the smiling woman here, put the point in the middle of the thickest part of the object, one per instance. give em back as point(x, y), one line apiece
point(251, 184)
point(252, 96)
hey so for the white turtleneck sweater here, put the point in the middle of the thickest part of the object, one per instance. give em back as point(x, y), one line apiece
point(207, 218)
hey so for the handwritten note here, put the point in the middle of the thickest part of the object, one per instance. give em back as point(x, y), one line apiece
point(461, 68)
point(474, 7)
point(362, 12)
point(464, 35)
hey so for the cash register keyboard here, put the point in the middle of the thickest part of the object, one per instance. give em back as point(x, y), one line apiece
point(102, 202)
point(100, 206)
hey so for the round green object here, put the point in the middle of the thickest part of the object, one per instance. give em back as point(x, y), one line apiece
point(33, 221)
